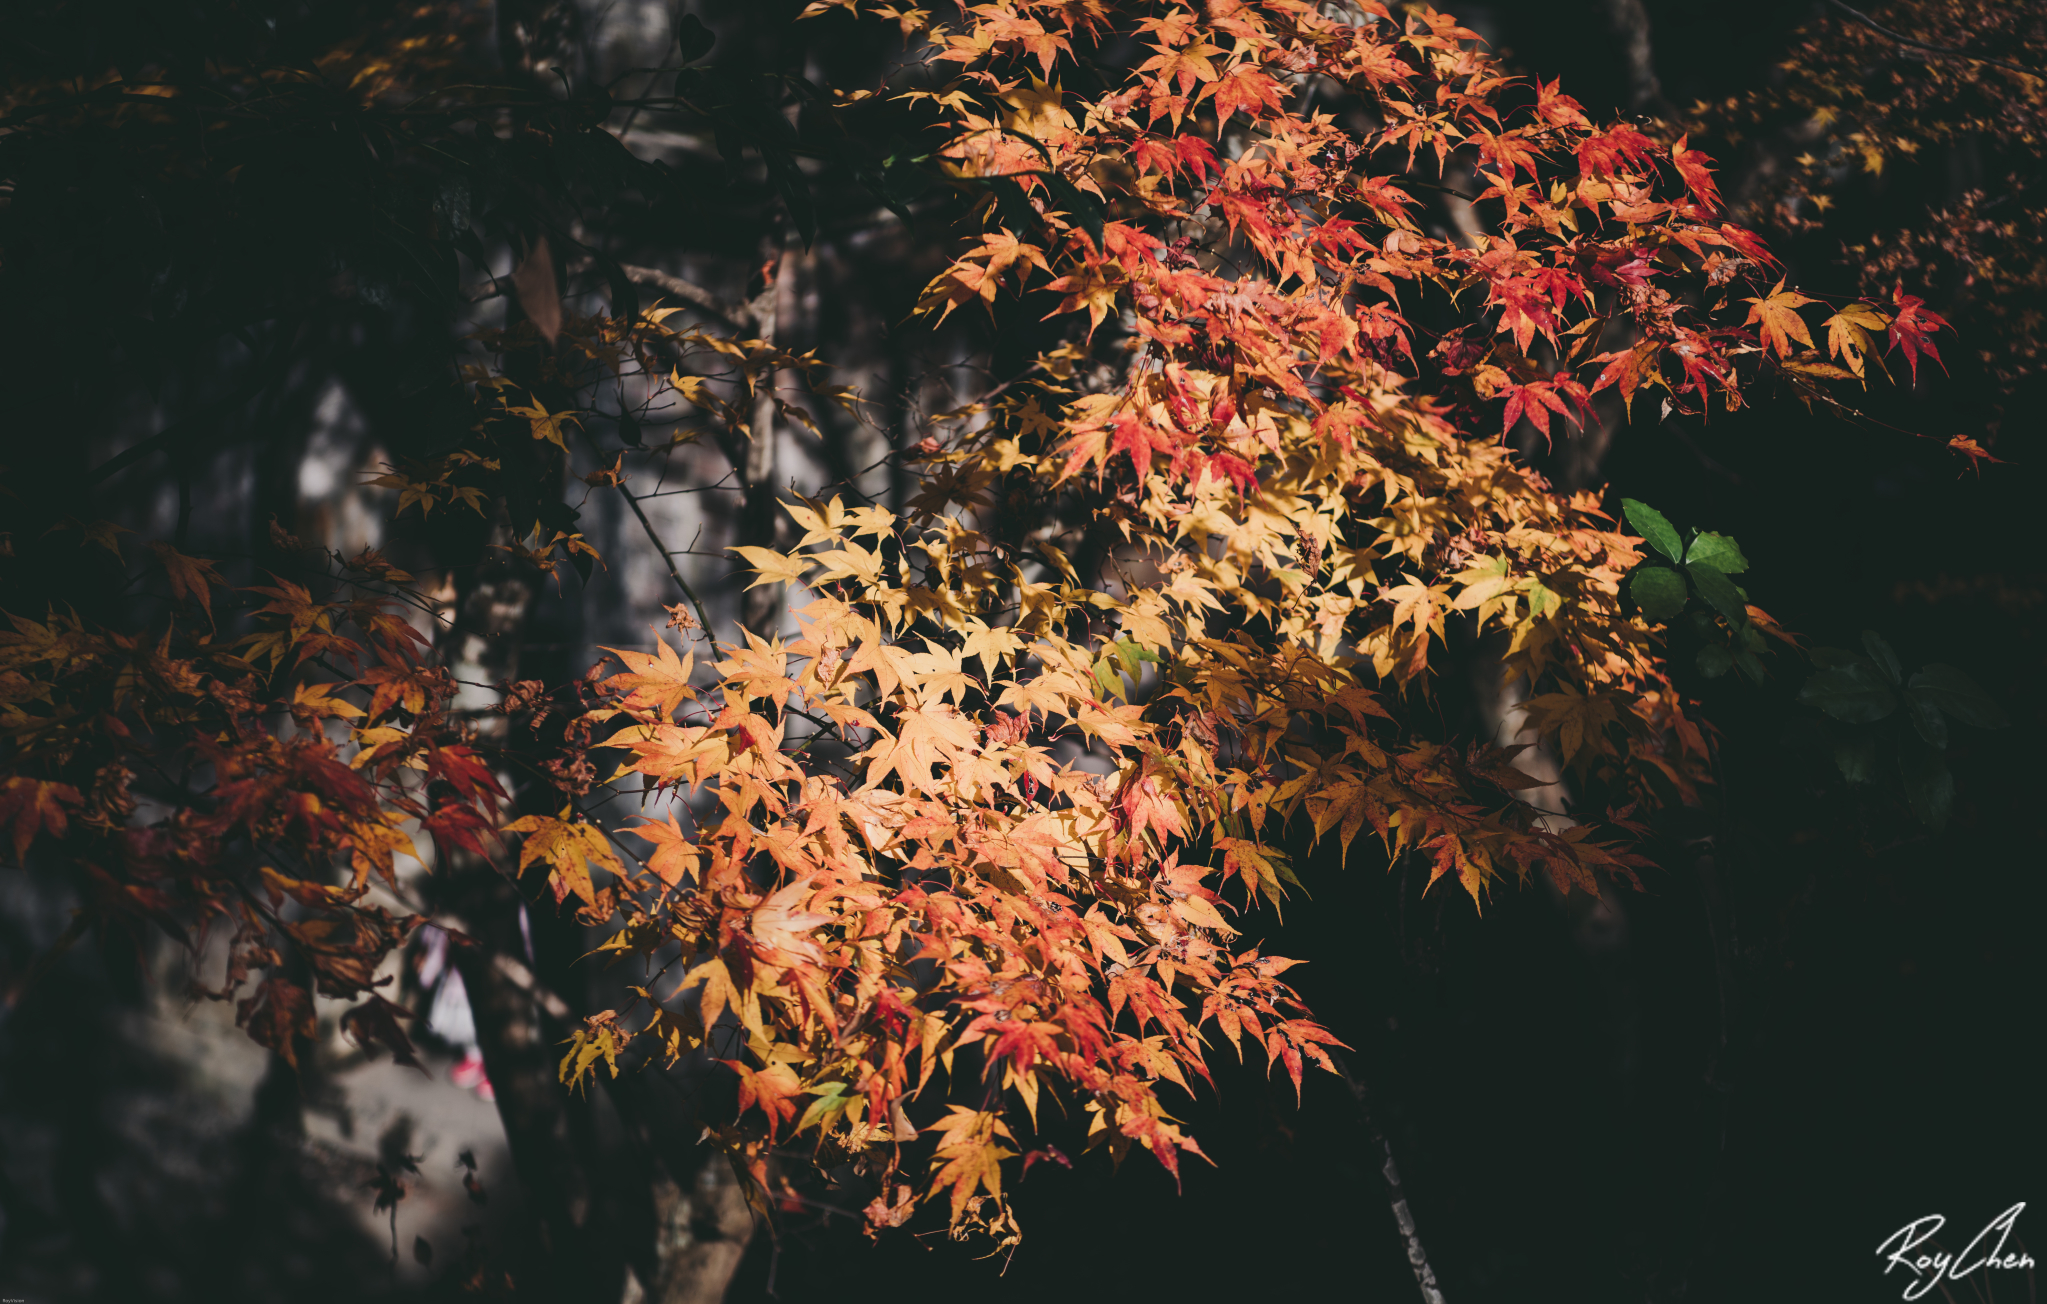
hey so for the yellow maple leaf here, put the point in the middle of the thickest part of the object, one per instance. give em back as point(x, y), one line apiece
point(569, 847)
point(1852, 332)
point(923, 738)
point(993, 645)
point(771, 566)
point(656, 683)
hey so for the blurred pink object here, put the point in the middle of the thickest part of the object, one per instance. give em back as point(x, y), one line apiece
point(469, 1074)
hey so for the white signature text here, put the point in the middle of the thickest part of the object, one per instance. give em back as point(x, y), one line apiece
point(1929, 1268)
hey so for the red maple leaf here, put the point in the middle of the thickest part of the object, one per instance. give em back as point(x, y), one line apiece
point(1247, 88)
point(1506, 153)
point(1140, 440)
point(1558, 109)
point(1911, 326)
point(1236, 470)
point(1154, 154)
point(31, 806)
point(1691, 165)
point(1614, 149)
point(1537, 400)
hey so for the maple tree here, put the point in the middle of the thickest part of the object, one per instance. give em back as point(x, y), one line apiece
point(987, 832)
point(1259, 464)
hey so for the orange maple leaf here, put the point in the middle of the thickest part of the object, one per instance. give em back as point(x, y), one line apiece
point(675, 855)
point(1777, 314)
point(1975, 452)
point(190, 577)
point(776, 1089)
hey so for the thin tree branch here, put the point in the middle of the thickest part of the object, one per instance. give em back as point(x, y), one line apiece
point(668, 560)
point(1417, 1257)
point(739, 315)
point(177, 432)
point(1902, 39)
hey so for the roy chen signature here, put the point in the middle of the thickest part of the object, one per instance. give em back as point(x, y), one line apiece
point(1926, 1265)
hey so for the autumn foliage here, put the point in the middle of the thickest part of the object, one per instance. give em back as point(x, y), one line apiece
point(983, 840)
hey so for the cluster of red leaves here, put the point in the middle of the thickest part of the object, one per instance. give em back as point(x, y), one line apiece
point(1601, 245)
point(190, 783)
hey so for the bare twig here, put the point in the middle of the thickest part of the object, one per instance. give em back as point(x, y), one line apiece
point(739, 315)
point(667, 559)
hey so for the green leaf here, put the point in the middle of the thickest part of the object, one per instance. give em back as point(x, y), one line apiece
point(831, 1098)
point(1282, 866)
point(1077, 204)
point(1719, 552)
point(1925, 717)
point(1655, 527)
point(1855, 756)
point(1854, 693)
point(1929, 785)
point(1714, 661)
point(1719, 591)
point(1747, 663)
point(1829, 658)
point(1013, 204)
point(1106, 676)
point(1958, 695)
point(693, 37)
point(1886, 660)
point(1133, 655)
point(901, 178)
point(1659, 591)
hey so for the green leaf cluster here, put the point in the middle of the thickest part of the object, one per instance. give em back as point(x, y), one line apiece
point(1697, 568)
point(1862, 690)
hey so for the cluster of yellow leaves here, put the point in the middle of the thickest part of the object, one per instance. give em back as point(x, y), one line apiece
point(991, 840)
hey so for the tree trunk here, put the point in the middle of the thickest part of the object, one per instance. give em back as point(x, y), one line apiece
point(701, 1231)
point(490, 620)
point(761, 609)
